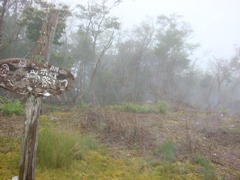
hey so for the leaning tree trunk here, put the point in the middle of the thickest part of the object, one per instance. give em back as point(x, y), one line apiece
point(29, 143)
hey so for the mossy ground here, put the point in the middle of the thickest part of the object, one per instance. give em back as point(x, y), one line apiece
point(121, 161)
point(98, 166)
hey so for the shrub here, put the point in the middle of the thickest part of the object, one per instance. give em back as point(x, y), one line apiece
point(167, 150)
point(136, 108)
point(208, 169)
point(84, 106)
point(162, 107)
point(57, 149)
point(86, 144)
point(12, 108)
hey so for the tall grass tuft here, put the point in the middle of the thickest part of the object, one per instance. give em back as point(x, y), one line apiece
point(136, 108)
point(208, 168)
point(167, 150)
point(58, 149)
point(162, 107)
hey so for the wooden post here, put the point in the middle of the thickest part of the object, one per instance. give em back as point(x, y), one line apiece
point(34, 79)
point(30, 139)
point(33, 105)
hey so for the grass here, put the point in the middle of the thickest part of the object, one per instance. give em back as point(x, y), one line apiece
point(98, 166)
point(84, 106)
point(58, 149)
point(93, 165)
point(67, 154)
point(167, 151)
point(162, 107)
point(9, 157)
point(12, 108)
point(136, 108)
point(208, 170)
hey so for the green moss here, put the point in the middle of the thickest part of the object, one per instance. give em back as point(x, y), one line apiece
point(96, 165)
point(177, 170)
point(9, 157)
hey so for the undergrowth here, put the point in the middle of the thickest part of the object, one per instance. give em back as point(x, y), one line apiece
point(58, 149)
point(64, 154)
point(9, 157)
point(161, 107)
point(208, 169)
point(96, 165)
point(136, 108)
point(12, 108)
point(166, 151)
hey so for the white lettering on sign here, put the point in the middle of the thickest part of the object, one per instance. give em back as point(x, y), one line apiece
point(53, 68)
point(46, 81)
point(33, 76)
point(53, 75)
point(25, 77)
point(63, 84)
point(4, 69)
point(44, 72)
point(22, 63)
point(10, 82)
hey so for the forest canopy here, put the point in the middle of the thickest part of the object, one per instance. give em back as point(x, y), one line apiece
point(150, 62)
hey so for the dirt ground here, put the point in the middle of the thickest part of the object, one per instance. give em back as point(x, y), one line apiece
point(212, 135)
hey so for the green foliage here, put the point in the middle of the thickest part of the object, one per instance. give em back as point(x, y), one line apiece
point(84, 106)
point(208, 169)
point(12, 108)
point(61, 59)
point(58, 149)
point(136, 108)
point(167, 150)
point(32, 18)
point(162, 107)
point(85, 145)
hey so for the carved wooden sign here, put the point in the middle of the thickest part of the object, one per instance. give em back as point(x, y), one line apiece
point(28, 78)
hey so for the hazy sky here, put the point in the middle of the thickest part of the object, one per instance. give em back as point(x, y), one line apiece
point(216, 23)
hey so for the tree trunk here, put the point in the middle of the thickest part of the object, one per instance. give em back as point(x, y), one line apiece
point(30, 139)
point(2, 13)
point(33, 105)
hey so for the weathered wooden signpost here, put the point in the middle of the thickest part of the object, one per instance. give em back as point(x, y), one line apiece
point(34, 78)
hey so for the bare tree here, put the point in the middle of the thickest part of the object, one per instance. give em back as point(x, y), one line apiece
point(10, 12)
point(95, 23)
point(143, 35)
point(221, 70)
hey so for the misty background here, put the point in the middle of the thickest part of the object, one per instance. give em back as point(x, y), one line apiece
point(183, 52)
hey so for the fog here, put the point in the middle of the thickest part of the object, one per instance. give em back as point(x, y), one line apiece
point(183, 52)
point(215, 23)
point(212, 21)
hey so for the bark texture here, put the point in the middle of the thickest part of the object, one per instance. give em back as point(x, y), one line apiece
point(30, 139)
